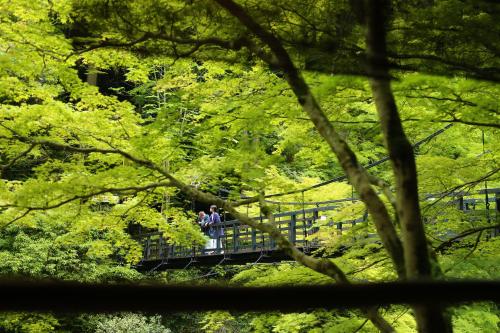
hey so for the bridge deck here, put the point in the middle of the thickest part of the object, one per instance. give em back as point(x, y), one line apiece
point(242, 244)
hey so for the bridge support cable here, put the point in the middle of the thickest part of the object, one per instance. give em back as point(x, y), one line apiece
point(344, 177)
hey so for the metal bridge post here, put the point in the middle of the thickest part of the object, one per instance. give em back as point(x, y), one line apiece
point(262, 236)
point(148, 247)
point(305, 224)
point(315, 218)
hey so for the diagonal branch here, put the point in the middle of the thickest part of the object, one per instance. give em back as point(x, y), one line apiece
point(323, 266)
point(195, 44)
point(356, 174)
point(449, 242)
point(489, 74)
point(127, 189)
point(470, 184)
point(26, 212)
point(15, 159)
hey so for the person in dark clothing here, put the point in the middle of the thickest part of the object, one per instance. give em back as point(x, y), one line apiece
point(215, 231)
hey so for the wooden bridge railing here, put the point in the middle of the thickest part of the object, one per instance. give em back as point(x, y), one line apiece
point(298, 226)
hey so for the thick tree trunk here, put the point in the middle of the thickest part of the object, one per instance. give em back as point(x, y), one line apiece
point(430, 318)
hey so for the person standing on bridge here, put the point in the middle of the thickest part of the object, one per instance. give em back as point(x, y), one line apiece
point(216, 232)
point(203, 221)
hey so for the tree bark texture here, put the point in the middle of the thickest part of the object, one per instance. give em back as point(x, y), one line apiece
point(430, 318)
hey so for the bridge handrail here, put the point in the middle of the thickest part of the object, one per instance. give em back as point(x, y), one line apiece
point(297, 225)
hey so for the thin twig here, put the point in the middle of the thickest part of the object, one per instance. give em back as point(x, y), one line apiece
point(466, 233)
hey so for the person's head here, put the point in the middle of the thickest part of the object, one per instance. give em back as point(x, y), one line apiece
point(213, 208)
point(201, 214)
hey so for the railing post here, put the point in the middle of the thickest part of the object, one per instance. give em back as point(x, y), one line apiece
point(312, 230)
point(224, 248)
point(339, 228)
point(461, 203)
point(262, 236)
point(272, 243)
point(254, 239)
point(148, 247)
point(304, 233)
point(160, 247)
point(235, 237)
point(218, 239)
point(292, 237)
point(144, 244)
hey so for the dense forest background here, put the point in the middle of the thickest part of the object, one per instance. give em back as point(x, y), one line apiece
point(116, 114)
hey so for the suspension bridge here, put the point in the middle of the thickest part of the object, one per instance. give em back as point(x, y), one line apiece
point(241, 244)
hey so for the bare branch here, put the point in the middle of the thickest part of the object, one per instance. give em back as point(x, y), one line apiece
point(458, 99)
point(446, 244)
point(488, 74)
point(386, 189)
point(26, 212)
point(476, 243)
point(469, 122)
point(127, 189)
point(361, 269)
point(15, 159)
point(471, 183)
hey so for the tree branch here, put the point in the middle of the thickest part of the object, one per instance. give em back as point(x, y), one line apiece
point(458, 187)
point(458, 99)
point(15, 159)
point(356, 174)
point(489, 74)
point(385, 188)
point(446, 244)
point(26, 212)
point(133, 189)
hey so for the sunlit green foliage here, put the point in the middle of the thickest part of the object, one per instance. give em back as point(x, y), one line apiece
point(229, 121)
